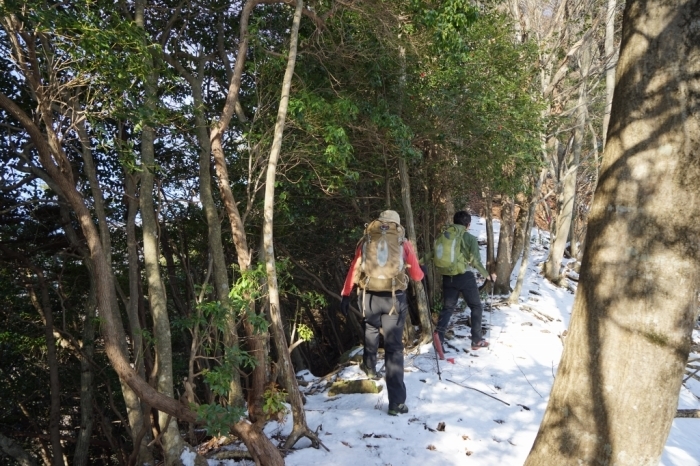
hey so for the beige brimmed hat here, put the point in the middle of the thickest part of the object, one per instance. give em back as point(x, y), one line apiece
point(390, 216)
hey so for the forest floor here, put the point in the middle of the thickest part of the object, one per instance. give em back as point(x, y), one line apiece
point(450, 422)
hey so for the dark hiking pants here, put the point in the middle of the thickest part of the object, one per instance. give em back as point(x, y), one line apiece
point(377, 306)
point(452, 286)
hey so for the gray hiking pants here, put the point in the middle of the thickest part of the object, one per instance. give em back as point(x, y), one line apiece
point(377, 307)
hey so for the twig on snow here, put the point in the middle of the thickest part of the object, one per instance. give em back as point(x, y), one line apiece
point(477, 390)
point(528, 382)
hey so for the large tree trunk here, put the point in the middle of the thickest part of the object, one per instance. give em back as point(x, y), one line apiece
point(616, 390)
point(299, 428)
point(504, 260)
point(138, 422)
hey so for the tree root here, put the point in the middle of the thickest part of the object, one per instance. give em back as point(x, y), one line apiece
point(302, 431)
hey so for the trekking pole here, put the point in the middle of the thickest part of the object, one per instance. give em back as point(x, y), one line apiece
point(432, 333)
point(488, 330)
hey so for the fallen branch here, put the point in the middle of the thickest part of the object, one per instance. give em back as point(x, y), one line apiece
point(477, 390)
point(691, 375)
point(231, 455)
point(688, 413)
point(526, 379)
point(538, 314)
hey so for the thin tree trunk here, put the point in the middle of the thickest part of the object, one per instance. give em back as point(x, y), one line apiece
point(136, 411)
point(178, 290)
point(520, 238)
point(421, 298)
point(490, 243)
point(609, 65)
point(172, 442)
point(91, 173)
point(218, 128)
point(220, 275)
point(82, 445)
point(532, 210)
point(567, 200)
point(636, 303)
point(300, 428)
point(419, 291)
point(565, 209)
point(42, 303)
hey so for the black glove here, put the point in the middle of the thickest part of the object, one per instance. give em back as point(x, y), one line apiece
point(345, 305)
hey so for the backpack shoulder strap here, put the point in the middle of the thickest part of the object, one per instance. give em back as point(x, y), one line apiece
point(465, 248)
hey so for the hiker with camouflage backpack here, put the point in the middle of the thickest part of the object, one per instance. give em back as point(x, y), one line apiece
point(456, 258)
point(384, 261)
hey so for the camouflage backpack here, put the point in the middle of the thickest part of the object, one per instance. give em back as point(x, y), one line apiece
point(382, 267)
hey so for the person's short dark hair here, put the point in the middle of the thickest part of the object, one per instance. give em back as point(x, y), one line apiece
point(462, 218)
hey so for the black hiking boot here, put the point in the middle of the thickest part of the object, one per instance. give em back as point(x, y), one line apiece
point(371, 373)
point(395, 410)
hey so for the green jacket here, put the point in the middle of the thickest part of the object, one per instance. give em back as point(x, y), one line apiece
point(471, 246)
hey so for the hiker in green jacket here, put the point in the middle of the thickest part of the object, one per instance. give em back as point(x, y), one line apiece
point(464, 283)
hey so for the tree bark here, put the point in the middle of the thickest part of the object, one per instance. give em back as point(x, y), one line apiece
point(42, 303)
point(421, 297)
point(504, 260)
point(10, 448)
point(299, 428)
point(609, 64)
point(617, 387)
point(82, 445)
point(515, 295)
point(490, 243)
point(216, 249)
point(567, 196)
point(520, 238)
point(173, 444)
point(136, 411)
